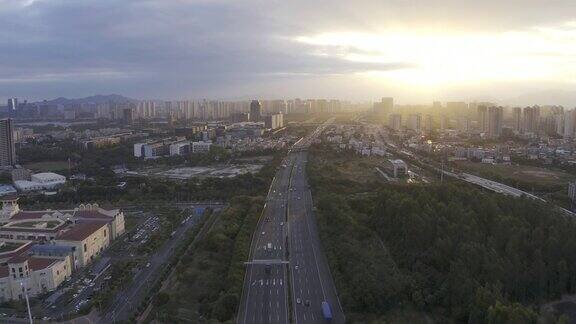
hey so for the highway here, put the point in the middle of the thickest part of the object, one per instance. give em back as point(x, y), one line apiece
point(286, 244)
point(309, 271)
point(265, 293)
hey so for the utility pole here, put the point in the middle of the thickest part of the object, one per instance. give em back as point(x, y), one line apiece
point(23, 285)
point(442, 171)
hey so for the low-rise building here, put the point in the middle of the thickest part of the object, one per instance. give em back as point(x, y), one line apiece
point(40, 249)
point(87, 239)
point(396, 168)
point(201, 147)
point(41, 181)
point(88, 229)
point(49, 180)
point(180, 148)
point(32, 275)
point(7, 190)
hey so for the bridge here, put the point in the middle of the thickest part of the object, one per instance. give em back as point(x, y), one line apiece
point(270, 261)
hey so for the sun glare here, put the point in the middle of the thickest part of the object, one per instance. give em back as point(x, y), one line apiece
point(438, 59)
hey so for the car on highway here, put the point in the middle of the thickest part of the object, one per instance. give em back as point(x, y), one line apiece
point(296, 267)
point(298, 301)
point(263, 233)
point(307, 303)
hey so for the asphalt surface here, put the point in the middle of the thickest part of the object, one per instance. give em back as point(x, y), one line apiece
point(286, 240)
point(265, 295)
point(310, 277)
point(126, 301)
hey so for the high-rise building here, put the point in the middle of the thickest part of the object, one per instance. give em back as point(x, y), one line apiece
point(146, 109)
point(531, 119)
point(517, 119)
point(495, 120)
point(415, 122)
point(559, 123)
point(428, 123)
point(127, 115)
point(274, 121)
point(395, 122)
point(444, 122)
point(12, 105)
point(569, 123)
point(483, 119)
point(255, 111)
point(7, 145)
point(384, 107)
point(456, 108)
point(463, 123)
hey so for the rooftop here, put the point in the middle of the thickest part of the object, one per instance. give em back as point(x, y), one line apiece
point(80, 231)
point(35, 263)
point(48, 176)
point(7, 189)
point(77, 213)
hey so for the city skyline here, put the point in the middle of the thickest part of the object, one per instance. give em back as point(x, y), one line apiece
point(417, 52)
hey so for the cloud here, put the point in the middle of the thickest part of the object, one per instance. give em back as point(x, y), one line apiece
point(219, 48)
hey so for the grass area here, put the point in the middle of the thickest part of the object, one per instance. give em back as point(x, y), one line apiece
point(49, 224)
point(209, 278)
point(522, 173)
point(353, 167)
point(549, 184)
point(47, 166)
point(7, 247)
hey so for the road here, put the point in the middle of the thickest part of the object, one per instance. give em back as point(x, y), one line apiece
point(286, 243)
point(310, 275)
point(265, 295)
point(126, 301)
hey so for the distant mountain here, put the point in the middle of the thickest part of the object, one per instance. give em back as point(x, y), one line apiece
point(97, 99)
point(543, 98)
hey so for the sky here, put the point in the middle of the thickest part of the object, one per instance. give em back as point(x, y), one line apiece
point(417, 51)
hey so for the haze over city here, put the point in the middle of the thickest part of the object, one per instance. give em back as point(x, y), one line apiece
point(288, 162)
point(509, 52)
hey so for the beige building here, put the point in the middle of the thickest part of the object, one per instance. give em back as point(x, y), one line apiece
point(40, 249)
point(37, 275)
point(88, 241)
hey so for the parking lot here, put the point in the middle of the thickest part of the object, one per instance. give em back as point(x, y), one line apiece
point(135, 250)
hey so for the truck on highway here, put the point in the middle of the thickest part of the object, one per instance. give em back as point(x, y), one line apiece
point(326, 312)
point(269, 246)
point(268, 269)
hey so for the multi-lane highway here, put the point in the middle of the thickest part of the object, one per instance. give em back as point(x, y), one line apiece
point(287, 276)
point(310, 275)
point(265, 292)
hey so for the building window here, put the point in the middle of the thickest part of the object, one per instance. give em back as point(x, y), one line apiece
point(20, 269)
point(104, 233)
point(85, 248)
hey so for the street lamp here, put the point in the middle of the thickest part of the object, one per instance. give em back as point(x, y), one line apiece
point(23, 285)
